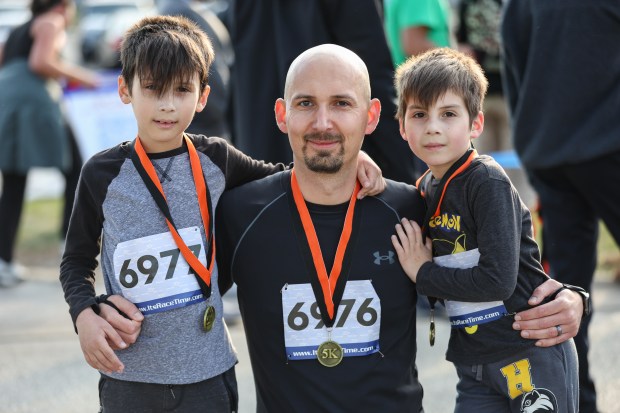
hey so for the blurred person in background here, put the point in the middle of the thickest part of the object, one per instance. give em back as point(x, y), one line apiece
point(33, 131)
point(213, 121)
point(415, 26)
point(267, 35)
point(478, 36)
point(562, 81)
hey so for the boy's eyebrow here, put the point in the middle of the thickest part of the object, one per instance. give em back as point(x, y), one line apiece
point(418, 106)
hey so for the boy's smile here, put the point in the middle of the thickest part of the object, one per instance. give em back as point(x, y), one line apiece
point(441, 134)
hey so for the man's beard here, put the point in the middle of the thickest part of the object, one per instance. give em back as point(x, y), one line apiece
point(324, 161)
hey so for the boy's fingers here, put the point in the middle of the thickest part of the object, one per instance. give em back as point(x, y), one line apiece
point(126, 307)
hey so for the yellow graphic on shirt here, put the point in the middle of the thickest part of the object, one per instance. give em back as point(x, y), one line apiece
point(457, 246)
point(446, 221)
point(518, 378)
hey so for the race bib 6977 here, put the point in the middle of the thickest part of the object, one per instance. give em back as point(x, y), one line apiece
point(153, 274)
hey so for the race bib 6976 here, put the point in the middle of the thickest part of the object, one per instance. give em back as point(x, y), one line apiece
point(356, 328)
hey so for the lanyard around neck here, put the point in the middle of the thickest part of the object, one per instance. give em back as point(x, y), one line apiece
point(459, 167)
point(328, 283)
point(148, 174)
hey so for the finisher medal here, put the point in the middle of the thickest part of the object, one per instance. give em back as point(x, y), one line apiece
point(329, 353)
point(209, 319)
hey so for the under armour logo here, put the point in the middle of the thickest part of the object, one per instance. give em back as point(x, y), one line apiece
point(380, 258)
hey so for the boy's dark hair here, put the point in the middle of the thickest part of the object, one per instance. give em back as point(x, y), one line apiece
point(164, 50)
point(41, 6)
point(428, 76)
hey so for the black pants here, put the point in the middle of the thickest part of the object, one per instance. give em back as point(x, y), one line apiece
point(573, 198)
point(215, 395)
point(12, 200)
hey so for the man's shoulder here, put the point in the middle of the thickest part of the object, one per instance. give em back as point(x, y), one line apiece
point(400, 194)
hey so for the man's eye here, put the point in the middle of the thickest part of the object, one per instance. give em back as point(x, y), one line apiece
point(304, 103)
point(343, 103)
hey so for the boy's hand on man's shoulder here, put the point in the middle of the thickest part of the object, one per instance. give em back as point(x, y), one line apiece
point(370, 176)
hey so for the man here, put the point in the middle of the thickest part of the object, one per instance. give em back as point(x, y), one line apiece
point(279, 237)
point(566, 131)
point(277, 248)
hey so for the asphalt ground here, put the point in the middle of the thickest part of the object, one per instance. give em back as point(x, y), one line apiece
point(42, 368)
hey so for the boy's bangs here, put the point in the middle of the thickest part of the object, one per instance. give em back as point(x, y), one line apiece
point(164, 63)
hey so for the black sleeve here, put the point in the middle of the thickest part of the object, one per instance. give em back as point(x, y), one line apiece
point(225, 246)
point(238, 168)
point(83, 242)
point(496, 210)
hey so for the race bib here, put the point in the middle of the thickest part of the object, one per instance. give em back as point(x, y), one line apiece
point(356, 327)
point(153, 274)
point(465, 314)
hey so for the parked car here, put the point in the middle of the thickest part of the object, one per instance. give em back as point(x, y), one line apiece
point(95, 16)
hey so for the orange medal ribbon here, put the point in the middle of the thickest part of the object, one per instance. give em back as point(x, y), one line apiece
point(201, 191)
point(328, 284)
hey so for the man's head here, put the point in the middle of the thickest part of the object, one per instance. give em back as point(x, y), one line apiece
point(326, 109)
point(165, 50)
point(426, 77)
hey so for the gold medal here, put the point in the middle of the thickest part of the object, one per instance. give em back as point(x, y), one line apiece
point(329, 353)
point(208, 319)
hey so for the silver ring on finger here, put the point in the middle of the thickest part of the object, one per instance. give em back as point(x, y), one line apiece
point(559, 330)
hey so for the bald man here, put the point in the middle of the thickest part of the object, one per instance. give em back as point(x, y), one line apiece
point(328, 312)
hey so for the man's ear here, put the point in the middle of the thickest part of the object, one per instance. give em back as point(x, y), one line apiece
point(280, 111)
point(374, 113)
point(123, 90)
point(202, 100)
point(477, 125)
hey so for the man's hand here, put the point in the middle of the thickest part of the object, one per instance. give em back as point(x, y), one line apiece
point(541, 323)
point(370, 176)
point(127, 328)
point(95, 334)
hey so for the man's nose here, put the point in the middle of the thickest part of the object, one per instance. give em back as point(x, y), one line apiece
point(323, 119)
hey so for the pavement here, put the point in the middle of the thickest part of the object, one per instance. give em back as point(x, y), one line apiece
point(42, 368)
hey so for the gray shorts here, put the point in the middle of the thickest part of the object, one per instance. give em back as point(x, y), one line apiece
point(217, 394)
point(536, 380)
